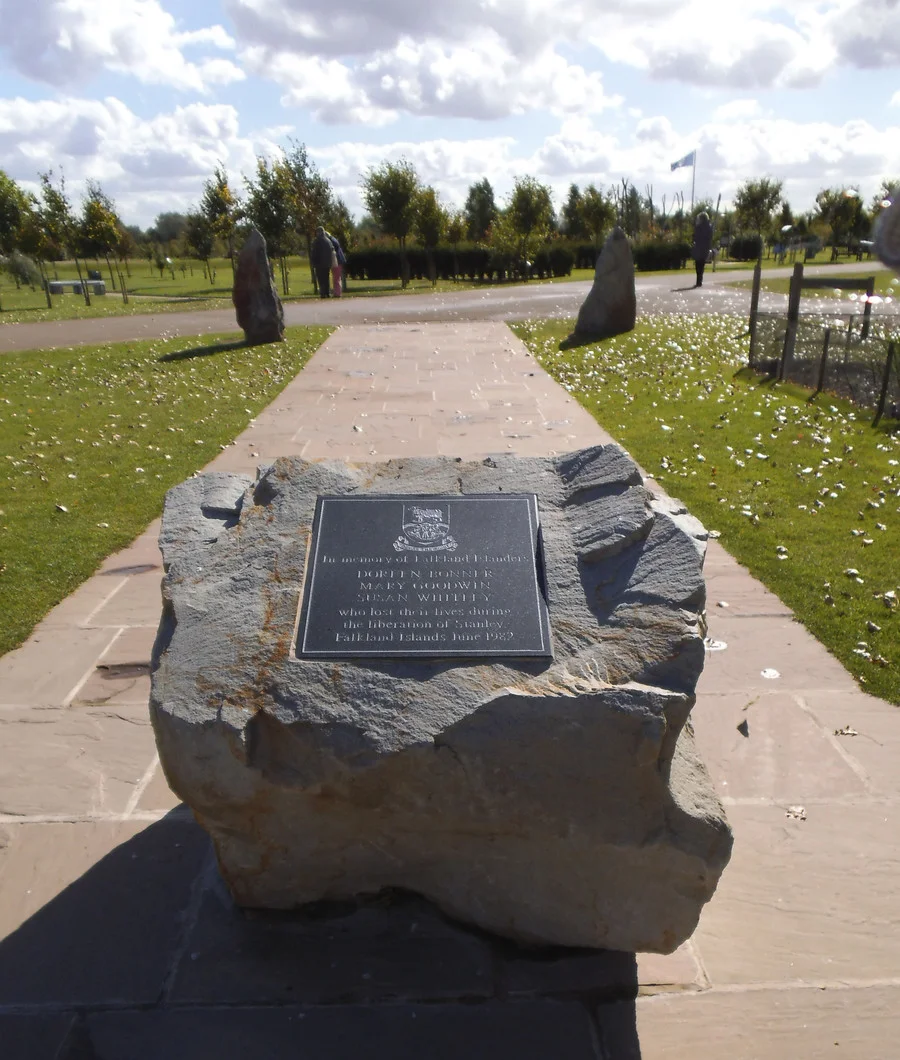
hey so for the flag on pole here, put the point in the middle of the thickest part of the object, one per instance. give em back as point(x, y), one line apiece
point(688, 160)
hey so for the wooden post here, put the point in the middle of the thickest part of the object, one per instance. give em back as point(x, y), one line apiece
point(790, 335)
point(754, 311)
point(823, 363)
point(885, 383)
point(867, 312)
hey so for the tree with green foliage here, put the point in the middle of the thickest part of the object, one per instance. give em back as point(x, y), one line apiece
point(310, 200)
point(430, 225)
point(888, 190)
point(597, 212)
point(101, 230)
point(221, 208)
point(200, 236)
point(390, 192)
point(572, 219)
point(841, 209)
point(754, 203)
point(480, 209)
point(529, 212)
point(167, 229)
point(15, 205)
point(59, 222)
point(457, 226)
point(268, 208)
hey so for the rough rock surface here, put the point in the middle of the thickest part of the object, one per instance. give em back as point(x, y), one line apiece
point(555, 801)
point(259, 310)
point(610, 307)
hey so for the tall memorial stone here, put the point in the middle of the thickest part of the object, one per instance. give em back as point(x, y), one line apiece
point(611, 305)
point(260, 313)
point(471, 680)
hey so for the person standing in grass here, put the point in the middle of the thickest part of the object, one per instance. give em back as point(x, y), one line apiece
point(703, 234)
point(321, 257)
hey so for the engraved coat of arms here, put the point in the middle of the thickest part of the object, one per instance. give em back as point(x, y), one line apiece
point(426, 528)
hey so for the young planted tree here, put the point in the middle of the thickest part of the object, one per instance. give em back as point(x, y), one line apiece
point(310, 200)
point(390, 192)
point(221, 208)
point(572, 219)
point(754, 203)
point(268, 208)
point(456, 233)
point(100, 230)
point(530, 215)
point(430, 225)
point(480, 210)
point(841, 209)
point(14, 209)
point(598, 213)
point(200, 237)
point(59, 224)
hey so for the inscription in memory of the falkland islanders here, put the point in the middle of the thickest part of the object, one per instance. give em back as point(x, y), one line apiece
point(425, 576)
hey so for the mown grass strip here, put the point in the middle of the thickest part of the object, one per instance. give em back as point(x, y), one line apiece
point(806, 494)
point(92, 437)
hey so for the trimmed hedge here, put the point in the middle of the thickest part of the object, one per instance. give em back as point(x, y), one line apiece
point(655, 254)
point(745, 248)
point(465, 262)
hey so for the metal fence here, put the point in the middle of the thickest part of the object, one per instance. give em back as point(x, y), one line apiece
point(855, 355)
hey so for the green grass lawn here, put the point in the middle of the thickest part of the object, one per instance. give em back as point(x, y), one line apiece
point(806, 494)
point(92, 438)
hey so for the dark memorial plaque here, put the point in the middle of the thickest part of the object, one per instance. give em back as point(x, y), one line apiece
point(425, 576)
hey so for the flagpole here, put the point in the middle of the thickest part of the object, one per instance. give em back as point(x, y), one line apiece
point(693, 176)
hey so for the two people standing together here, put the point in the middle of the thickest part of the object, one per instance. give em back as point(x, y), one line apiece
point(327, 259)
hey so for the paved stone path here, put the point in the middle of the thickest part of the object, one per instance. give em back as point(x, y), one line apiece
point(118, 941)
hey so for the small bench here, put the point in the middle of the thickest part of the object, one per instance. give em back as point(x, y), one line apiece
point(59, 286)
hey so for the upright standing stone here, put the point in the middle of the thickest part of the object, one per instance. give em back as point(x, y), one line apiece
point(610, 307)
point(554, 799)
point(259, 309)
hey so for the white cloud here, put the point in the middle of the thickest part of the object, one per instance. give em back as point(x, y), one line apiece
point(482, 80)
point(145, 165)
point(737, 109)
point(492, 58)
point(63, 43)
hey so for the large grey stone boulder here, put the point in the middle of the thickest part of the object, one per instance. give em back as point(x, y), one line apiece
point(552, 801)
point(611, 306)
point(260, 313)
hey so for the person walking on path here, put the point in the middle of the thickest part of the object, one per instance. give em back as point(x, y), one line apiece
point(703, 233)
point(337, 270)
point(321, 257)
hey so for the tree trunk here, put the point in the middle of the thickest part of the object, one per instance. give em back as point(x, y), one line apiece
point(46, 282)
point(122, 284)
point(112, 275)
point(84, 288)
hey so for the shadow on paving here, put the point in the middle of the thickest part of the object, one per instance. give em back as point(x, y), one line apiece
point(145, 957)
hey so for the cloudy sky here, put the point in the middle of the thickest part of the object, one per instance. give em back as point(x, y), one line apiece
point(146, 96)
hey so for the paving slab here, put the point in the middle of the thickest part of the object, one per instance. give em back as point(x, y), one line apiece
point(526, 1030)
point(811, 899)
point(771, 1024)
point(118, 939)
point(759, 745)
point(91, 912)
